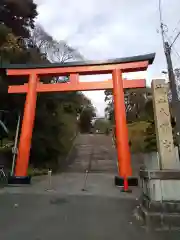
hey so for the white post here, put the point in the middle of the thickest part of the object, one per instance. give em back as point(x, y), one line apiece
point(49, 179)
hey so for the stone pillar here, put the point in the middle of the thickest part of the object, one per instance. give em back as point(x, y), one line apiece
point(160, 179)
point(164, 137)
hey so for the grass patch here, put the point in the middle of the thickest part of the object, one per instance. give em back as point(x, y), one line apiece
point(37, 172)
point(137, 134)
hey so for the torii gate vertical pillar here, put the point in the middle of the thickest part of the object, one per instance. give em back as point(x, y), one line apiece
point(26, 131)
point(123, 150)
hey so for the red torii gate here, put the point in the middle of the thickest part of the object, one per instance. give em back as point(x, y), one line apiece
point(74, 69)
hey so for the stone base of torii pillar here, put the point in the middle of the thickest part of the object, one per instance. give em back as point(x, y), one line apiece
point(160, 199)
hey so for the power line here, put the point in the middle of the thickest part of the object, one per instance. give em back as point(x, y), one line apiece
point(164, 30)
point(172, 47)
point(161, 24)
point(177, 25)
point(176, 52)
point(164, 33)
point(177, 36)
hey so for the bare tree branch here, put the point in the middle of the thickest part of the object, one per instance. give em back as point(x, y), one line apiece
point(56, 51)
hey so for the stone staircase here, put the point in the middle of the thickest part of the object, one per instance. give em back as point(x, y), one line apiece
point(95, 152)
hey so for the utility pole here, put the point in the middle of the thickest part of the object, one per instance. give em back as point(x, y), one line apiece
point(173, 87)
point(172, 81)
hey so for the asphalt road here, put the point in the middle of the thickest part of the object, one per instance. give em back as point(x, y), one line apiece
point(64, 211)
point(44, 217)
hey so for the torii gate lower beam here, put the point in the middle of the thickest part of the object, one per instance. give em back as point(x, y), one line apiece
point(116, 67)
point(80, 86)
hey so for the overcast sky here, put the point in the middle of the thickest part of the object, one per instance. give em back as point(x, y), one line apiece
point(103, 29)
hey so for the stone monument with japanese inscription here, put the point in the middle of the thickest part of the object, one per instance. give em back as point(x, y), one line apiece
point(161, 177)
point(164, 136)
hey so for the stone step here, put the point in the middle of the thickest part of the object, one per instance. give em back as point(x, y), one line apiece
point(158, 221)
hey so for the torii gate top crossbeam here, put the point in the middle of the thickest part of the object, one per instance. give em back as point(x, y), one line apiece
point(130, 64)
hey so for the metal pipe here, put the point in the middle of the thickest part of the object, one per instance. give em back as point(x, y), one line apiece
point(15, 145)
